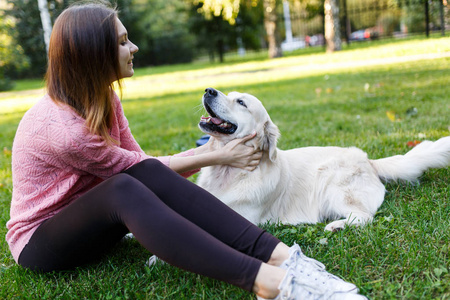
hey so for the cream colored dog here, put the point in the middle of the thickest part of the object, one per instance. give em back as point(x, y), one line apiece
point(304, 185)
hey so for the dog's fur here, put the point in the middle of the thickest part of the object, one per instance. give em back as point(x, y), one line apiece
point(304, 185)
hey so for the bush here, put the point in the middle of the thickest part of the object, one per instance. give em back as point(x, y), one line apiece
point(6, 84)
point(414, 18)
point(388, 22)
point(159, 30)
point(171, 49)
point(13, 60)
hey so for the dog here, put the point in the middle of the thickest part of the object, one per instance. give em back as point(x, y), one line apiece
point(303, 185)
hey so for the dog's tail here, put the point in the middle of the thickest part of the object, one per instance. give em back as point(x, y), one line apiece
point(410, 167)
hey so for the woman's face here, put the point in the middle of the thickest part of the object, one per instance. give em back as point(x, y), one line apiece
point(126, 51)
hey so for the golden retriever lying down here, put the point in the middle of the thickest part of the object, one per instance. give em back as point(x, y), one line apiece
point(304, 185)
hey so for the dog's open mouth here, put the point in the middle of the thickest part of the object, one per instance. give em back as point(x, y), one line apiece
point(213, 123)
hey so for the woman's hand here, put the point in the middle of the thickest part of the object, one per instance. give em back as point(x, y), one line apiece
point(237, 154)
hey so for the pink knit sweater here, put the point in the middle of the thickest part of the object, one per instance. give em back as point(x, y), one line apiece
point(56, 159)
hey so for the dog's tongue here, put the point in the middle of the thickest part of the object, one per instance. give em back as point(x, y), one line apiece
point(216, 121)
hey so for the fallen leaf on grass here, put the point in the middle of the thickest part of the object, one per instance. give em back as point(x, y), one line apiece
point(318, 92)
point(412, 144)
point(379, 84)
point(391, 115)
point(6, 151)
point(389, 218)
point(323, 241)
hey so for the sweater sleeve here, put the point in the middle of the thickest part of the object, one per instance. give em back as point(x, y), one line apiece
point(87, 152)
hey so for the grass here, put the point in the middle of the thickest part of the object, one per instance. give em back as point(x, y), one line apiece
point(315, 99)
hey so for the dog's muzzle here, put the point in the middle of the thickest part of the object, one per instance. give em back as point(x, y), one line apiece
point(210, 92)
point(214, 123)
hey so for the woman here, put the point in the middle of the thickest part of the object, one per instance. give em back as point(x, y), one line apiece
point(81, 182)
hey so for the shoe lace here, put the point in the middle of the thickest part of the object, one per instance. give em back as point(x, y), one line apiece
point(302, 257)
point(291, 288)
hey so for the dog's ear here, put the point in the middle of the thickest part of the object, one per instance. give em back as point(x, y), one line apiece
point(270, 138)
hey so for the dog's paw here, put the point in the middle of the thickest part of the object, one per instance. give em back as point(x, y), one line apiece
point(336, 225)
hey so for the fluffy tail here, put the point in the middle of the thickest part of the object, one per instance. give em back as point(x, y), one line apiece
point(410, 167)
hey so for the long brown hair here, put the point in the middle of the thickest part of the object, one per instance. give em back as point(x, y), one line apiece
point(83, 63)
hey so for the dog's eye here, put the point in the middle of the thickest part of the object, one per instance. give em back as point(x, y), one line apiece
point(241, 102)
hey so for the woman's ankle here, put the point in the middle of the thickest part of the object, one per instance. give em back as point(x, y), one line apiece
point(279, 255)
point(268, 280)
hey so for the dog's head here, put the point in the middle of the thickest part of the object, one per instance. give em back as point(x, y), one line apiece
point(237, 115)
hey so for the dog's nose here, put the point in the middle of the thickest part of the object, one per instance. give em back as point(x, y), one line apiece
point(211, 92)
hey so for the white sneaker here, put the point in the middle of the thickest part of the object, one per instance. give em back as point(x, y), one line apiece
point(314, 272)
point(293, 287)
point(153, 261)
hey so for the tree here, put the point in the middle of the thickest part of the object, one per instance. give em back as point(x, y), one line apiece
point(229, 10)
point(212, 34)
point(215, 35)
point(159, 30)
point(46, 21)
point(332, 27)
point(12, 59)
point(29, 33)
point(272, 30)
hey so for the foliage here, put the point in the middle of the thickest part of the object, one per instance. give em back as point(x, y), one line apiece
point(413, 14)
point(249, 24)
point(160, 30)
point(314, 8)
point(389, 22)
point(216, 35)
point(29, 32)
point(12, 58)
point(227, 9)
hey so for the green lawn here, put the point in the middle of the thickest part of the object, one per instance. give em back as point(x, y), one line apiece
point(360, 96)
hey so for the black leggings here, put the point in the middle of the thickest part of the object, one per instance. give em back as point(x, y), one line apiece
point(170, 216)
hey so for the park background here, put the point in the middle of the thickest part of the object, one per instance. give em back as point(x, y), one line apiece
point(184, 31)
point(384, 88)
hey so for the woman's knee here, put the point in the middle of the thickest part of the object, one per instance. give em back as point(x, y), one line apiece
point(125, 187)
point(121, 182)
point(126, 192)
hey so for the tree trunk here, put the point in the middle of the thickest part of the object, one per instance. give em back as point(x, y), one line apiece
point(270, 24)
point(46, 21)
point(221, 50)
point(332, 28)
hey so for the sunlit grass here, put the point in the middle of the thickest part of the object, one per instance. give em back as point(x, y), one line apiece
point(259, 72)
point(315, 99)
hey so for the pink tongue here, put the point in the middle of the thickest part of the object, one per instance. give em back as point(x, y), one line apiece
point(216, 121)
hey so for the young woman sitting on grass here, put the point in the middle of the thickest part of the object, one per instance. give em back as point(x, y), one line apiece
point(81, 182)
